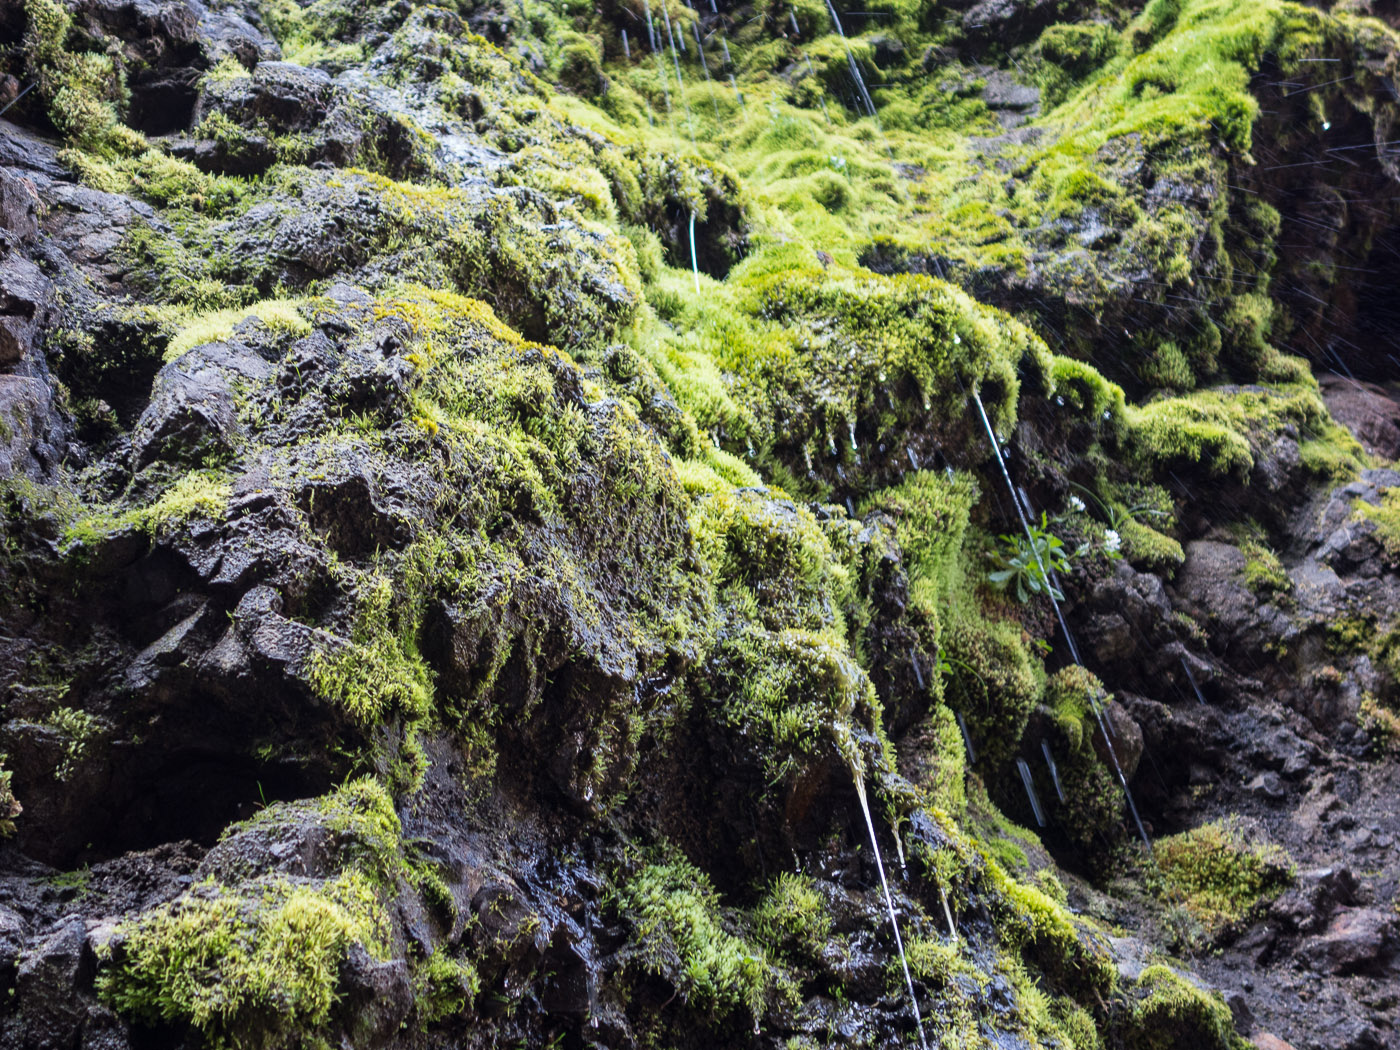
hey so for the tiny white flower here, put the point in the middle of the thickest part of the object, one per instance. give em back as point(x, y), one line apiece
point(1111, 540)
point(1076, 503)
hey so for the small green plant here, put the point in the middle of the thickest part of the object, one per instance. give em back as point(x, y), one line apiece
point(1026, 562)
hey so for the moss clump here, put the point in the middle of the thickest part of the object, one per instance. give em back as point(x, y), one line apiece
point(445, 986)
point(1172, 1012)
point(1264, 573)
point(1042, 931)
point(792, 918)
point(281, 315)
point(378, 672)
point(251, 969)
point(10, 807)
point(1148, 550)
point(194, 496)
point(1092, 810)
point(83, 91)
point(1220, 874)
point(682, 936)
point(1386, 516)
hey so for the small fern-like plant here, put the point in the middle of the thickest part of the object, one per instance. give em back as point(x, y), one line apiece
point(1023, 563)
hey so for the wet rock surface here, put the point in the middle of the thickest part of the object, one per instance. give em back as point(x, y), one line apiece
point(427, 623)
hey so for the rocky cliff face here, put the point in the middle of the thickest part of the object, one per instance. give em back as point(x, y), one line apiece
point(503, 535)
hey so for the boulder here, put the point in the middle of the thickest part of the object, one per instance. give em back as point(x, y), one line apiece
point(1357, 940)
point(1370, 412)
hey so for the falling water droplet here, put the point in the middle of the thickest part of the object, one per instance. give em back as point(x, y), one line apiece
point(1192, 679)
point(967, 740)
point(694, 262)
point(913, 459)
point(851, 430)
point(1054, 771)
point(1025, 772)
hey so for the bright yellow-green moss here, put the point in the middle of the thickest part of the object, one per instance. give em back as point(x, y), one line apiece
point(197, 494)
point(1264, 573)
point(1386, 516)
point(792, 918)
point(1220, 874)
point(281, 315)
point(1172, 1012)
point(445, 986)
point(378, 672)
point(1042, 931)
point(1147, 549)
point(251, 969)
point(682, 937)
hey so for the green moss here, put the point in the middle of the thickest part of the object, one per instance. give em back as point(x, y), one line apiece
point(1386, 516)
point(378, 671)
point(1220, 874)
point(195, 495)
point(10, 807)
point(1264, 573)
point(1042, 931)
point(683, 937)
point(1172, 1012)
point(281, 315)
point(255, 968)
point(792, 918)
point(1148, 550)
point(79, 730)
point(83, 91)
point(445, 986)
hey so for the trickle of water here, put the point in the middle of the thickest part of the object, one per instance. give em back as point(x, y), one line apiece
point(1192, 679)
point(1025, 772)
point(1054, 769)
point(948, 913)
point(651, 27)
point(680, 81)
point(704, 65)
point(850, 59)
point(889, 905)
point(913, 459)
point(792, 17)
point(694, 262)
point(918, 674)
point(1059, 615)
point(626, 48)
point(967, 740)
point(850, 507)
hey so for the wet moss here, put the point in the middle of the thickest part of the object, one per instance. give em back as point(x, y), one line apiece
point(682, 937)
point(1170, 1011)
point(1221, 874)
point(792, 918)
point(1386, 516)
point(252, 968)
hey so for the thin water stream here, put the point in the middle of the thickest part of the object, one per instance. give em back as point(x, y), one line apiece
point(1059, 615)
point(889, 904)
point(694, 262)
